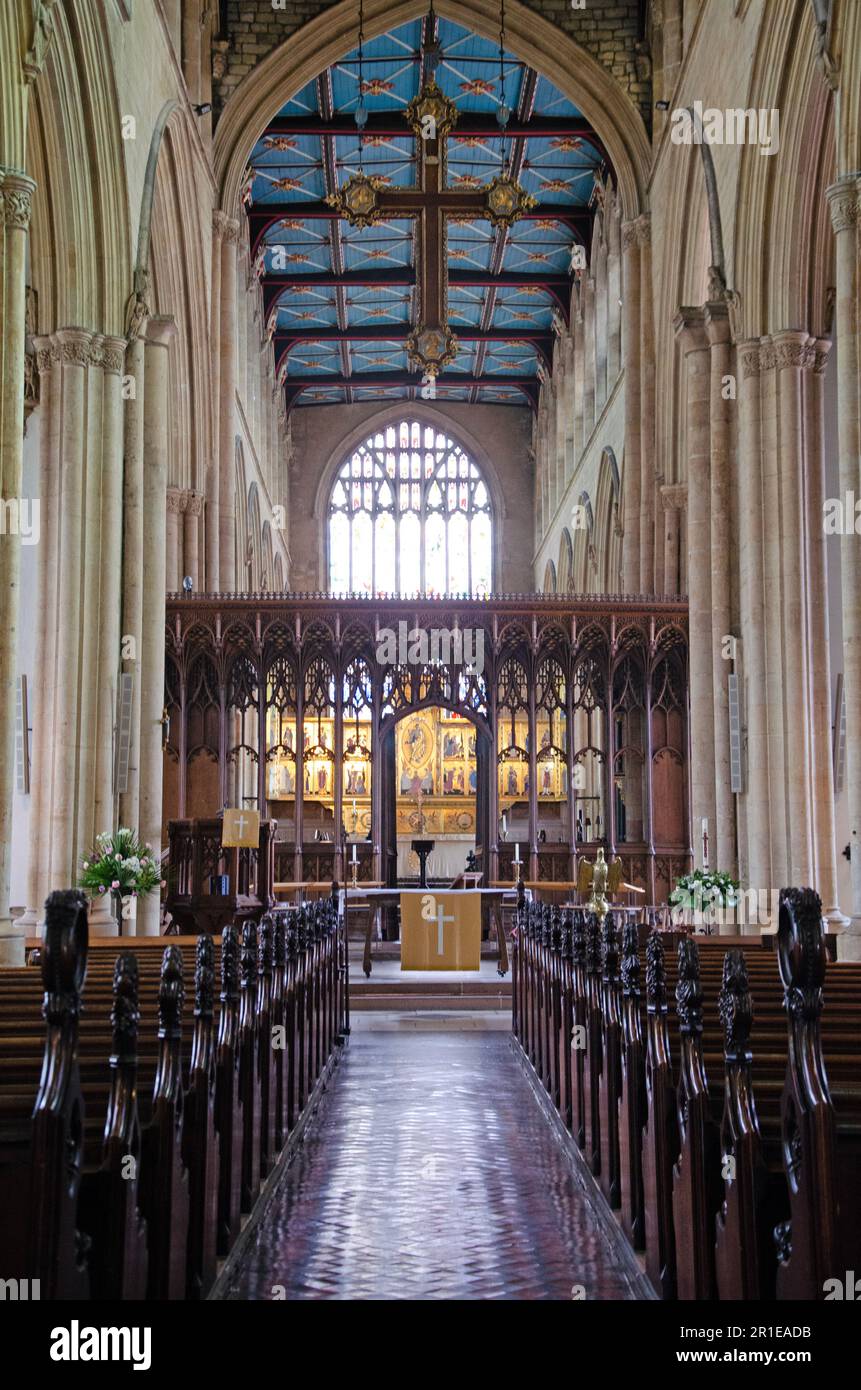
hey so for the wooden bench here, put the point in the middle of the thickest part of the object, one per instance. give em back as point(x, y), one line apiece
point(668, 1119)
point(168, 1142)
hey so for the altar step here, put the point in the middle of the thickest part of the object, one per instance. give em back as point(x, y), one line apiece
point(410, 996)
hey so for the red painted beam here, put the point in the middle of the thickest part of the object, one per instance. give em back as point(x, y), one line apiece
point(470, 124)
point(265, 215)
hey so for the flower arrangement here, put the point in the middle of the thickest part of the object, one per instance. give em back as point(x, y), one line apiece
point(120, 863)
point(703, 890)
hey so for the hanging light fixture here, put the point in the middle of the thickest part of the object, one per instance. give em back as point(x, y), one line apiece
point(503, 111)
point(361, 109)
point(432, 47)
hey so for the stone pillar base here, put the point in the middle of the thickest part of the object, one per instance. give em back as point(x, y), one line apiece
point(11, 945)
point(100, 916)
point(849, 941)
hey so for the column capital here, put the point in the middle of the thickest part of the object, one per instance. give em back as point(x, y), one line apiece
point(749, 352)
point(844, 201)
point(17, 189)
point(821, 348)
point(674, 497)
point(74, 346)
point(689, 327)
point(193, 503)
point(630, 235)
point(716, 319)
point(160, 330)
point(643, 226)
point(109, 353)
point(225, 228)
point(791, 348)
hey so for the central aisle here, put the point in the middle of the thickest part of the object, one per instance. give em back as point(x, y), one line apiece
point(429, 1173)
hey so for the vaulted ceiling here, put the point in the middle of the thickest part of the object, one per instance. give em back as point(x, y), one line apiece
point(340, 301)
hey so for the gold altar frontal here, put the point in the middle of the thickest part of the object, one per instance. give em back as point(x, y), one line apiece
point(440, 931)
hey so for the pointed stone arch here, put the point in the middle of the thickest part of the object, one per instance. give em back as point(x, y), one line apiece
point(532, 38)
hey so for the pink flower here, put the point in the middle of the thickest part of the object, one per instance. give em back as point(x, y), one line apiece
point(163, 883)
point(116, 883)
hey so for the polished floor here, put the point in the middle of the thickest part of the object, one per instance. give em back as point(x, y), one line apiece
point(429, 1172)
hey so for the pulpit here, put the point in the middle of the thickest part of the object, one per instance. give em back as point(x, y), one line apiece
point(200, 867)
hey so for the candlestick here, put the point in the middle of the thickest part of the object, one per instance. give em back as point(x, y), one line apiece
point(354, 852)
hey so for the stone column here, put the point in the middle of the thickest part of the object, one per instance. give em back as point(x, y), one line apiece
point(590, 367)
point(173, 551)
point(674, 499)
point(690, 330)
point(193, 508)
point(647, 410)
point(227, 418)
point(773, 636)
point(632, 482)
point(159, 334)
point(752, 621)
point(15, 195)
point(211, 481)
point(133, 561)
point(720, 549)
point(819, 672)
point(579, 364)
point(107, 548)
point(42, 694)
point(792, 357)
point(74, 347)
point(844, 198)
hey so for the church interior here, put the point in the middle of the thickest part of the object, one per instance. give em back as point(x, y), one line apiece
point(430, 668)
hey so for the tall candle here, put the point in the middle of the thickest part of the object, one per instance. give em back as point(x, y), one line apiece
point(354, 852)
point(517, 854)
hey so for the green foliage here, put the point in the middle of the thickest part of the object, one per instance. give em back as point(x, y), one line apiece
point(120, 863)
point(704, 889)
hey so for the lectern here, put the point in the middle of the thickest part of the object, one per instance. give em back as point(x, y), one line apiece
point(422, 848)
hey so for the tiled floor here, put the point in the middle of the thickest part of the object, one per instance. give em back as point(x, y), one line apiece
point(429, 1173)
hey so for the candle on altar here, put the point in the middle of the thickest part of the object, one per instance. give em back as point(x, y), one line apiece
point(355, 861)
point(517, 854)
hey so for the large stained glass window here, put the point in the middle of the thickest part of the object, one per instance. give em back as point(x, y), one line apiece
point(410, 513)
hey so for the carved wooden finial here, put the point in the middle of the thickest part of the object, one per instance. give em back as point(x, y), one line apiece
point(689, 994)
point(125, 1014)
point(735, 1007)
point(630, 961)
point(610, 949)
point(204, 977)
point(578, 936)
point(229, 965)
point(801, 952)
point(279, 940)
point(265, 945)
point(593, 944)
point(656, 975)
point(248, 954)
point(64, 954)
point(171, 995)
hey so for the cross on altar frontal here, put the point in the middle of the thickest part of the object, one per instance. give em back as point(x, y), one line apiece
point(364, 201)
point(441, 931)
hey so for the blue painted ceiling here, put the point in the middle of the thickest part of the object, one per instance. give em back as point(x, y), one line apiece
point(296, 168)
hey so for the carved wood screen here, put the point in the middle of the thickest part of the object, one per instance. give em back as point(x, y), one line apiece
point(583, 699)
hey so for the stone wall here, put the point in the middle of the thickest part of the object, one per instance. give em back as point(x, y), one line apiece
point(608, 29)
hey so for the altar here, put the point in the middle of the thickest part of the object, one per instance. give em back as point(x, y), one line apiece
point(440, 928)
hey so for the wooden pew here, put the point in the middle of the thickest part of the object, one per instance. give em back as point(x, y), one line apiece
point(193, 1143)
point(41, 1121)
point(723, 1141)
